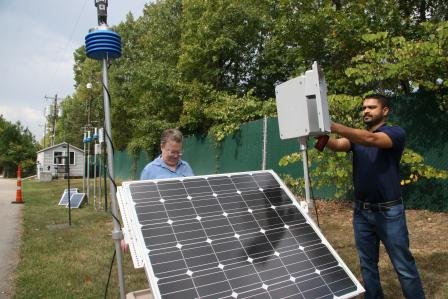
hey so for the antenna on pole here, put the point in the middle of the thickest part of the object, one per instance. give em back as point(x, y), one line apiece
point(103, 44)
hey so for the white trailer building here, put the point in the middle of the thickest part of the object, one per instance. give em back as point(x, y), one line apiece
point(51, 162)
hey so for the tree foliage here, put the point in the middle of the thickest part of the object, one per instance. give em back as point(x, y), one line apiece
point(17, 145)
point(398, 64)
point(208, 66)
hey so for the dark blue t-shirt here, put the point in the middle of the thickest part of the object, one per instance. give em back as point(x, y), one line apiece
point(376, 175)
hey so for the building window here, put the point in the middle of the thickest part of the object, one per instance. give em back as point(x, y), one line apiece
point(59, 157)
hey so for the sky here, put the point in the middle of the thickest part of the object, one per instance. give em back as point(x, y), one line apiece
point(37, 41)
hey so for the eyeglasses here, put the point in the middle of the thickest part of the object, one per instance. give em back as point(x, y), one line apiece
point(173, 153)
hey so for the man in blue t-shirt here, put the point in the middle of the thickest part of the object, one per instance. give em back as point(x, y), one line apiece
point(378, 208)
point(169, 163)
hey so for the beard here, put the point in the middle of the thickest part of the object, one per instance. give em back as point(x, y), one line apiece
point(371, 121)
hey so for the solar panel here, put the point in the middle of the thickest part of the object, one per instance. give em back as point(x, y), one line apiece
point(64, 198)
point(76, 200)
point(239, 235)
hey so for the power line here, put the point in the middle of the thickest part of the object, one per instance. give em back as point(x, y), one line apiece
point(63, 52)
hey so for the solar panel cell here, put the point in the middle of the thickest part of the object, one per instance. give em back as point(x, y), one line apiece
point(172, 190)
point(181, 286)
point(146, 192)
point(285, 290)
point(255, 199)
point(212, 284)
point(233, 236)
point(221, 185)
point(219, 228)
point(197, 187)
point(145, 208)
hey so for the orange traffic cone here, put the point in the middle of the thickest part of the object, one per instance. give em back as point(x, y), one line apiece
point(19, 198)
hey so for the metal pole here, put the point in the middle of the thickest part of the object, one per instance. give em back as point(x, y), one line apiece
point(117, 235)
point(100, 196)
point(45, 131)
point(265, 141)
point(88, 167)
point(94, 174)
point(303, 147)
point(99, 174)
point(84, 166)
point(55, 115)
point(89, 113)
point(104, 175)
point(67, 169)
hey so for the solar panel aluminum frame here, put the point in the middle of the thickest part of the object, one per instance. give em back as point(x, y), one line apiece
point(129, 227)
point(133, 228)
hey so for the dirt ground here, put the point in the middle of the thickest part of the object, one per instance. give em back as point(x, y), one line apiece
point(428, 238)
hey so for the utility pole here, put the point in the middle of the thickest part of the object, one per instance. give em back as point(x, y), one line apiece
point(89, 106)
point(89, 139)
point(54, 117)
point(45, 131)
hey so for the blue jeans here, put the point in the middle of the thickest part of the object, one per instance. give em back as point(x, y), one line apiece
point(389, 227)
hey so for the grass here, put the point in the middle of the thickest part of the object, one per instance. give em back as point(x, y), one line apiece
point(61, 261)
point(58, 261)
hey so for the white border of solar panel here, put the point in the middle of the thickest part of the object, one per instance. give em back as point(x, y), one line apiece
point(129, 233)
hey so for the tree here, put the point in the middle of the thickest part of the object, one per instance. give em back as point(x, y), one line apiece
point(388, 51)
point(403, 66)
point(17, 145)
point(222, 42)
point(222, 48)
point(206, 67)
point(146, 79)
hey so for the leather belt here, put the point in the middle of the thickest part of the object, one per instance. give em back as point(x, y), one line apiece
point(376, 207)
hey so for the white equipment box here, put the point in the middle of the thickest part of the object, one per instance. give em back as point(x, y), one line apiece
point(302, 106)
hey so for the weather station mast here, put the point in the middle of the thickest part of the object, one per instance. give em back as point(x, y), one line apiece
point(103, 44)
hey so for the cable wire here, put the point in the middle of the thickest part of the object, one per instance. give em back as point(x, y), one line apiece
point(110, 273)
point(312, 194)
point(69, 40)
point(112, 180)
point(314, 204)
